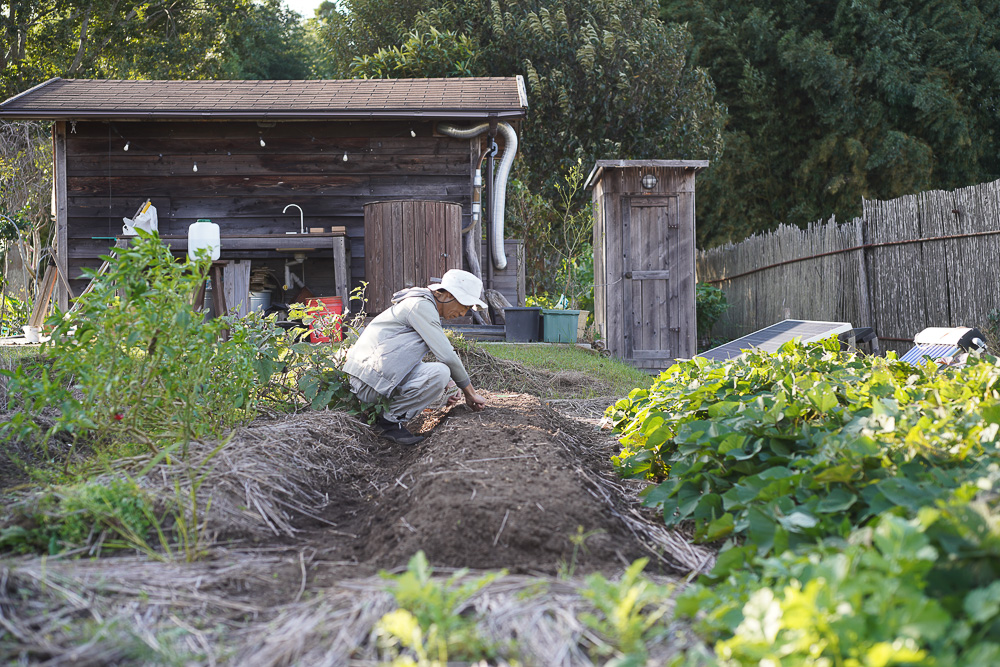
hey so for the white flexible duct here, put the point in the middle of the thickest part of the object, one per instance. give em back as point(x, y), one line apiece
point(499, 179)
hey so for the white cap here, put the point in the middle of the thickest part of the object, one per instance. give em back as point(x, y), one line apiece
point(462, 285)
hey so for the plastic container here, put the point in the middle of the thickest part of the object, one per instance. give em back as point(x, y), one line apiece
point(328, 319)
point(522, 324)
point(260, 301)
point(559, 326)
point(204, 234)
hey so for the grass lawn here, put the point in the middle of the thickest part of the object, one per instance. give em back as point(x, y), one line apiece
point(555, 358)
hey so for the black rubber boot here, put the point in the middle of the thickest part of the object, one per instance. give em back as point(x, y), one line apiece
point(396, 432)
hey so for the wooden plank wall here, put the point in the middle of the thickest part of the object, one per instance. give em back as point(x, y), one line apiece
point(619, 311)
point(244, 186)
point(409, 242)
point(898, 289)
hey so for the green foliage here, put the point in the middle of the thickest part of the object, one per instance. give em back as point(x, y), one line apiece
point(857, 497)
point(629, 614)
point(190, 39)
point(831, 102)
point(432, 54)
point(429, 622)
point(14, 314)
point(710, 305)
point(892, 593)
point(135, 362)
point(79, 515)
point(559, 257)
point(784, 449)
point(605, 78)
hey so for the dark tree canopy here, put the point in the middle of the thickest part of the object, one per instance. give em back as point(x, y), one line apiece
point(606, 78)
point(187, 39)
point(830, 102)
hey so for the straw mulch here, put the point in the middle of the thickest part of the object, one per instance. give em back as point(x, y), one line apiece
point(503, 375)
point(133, 611)
point(672, 548)
point(269, 474)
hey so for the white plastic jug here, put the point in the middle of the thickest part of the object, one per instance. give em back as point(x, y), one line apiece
point(204, 234)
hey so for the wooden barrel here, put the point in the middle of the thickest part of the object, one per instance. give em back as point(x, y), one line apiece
point(406, 244)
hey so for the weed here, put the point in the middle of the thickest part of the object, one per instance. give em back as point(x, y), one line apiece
point(630, 611)
point(91, 514)
point(579, 541)
point(429, 623)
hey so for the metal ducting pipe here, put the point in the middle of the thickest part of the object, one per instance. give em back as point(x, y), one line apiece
point(499, 180)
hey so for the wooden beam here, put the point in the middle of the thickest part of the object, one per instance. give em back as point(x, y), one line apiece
point(60, 210)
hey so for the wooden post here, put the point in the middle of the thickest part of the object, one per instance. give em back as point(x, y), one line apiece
point(60, 209)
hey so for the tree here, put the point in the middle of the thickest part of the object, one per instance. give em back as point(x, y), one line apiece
point(832, 102)
point(149, 39)
point(605, 77)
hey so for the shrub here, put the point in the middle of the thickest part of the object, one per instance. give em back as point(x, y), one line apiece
point(710, 305)
point(134, 361)
point(112, 514)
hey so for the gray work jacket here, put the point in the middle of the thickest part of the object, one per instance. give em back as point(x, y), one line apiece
point(395, 342)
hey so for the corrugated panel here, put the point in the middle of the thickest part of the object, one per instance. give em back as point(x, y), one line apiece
point(771, 338)
point(919, 353)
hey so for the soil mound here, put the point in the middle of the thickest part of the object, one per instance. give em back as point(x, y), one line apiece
point(496, 489)
point(517, 486)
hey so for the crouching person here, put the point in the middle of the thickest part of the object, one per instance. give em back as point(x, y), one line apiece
point(386, 361)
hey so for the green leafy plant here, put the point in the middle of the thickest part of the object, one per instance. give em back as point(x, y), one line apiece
point(710, 305)
point(855, 498)
point(135, 362)
point(93, 514)
point(787, 448)
point(430, 622)
point(560, 261)
point(630, 613)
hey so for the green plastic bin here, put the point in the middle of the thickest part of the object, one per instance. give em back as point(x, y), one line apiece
point(559, 326)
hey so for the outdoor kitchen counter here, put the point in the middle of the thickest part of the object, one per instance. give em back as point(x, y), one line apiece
point(260, 246)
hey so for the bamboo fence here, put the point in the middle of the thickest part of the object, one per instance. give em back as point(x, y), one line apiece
point(928, 259)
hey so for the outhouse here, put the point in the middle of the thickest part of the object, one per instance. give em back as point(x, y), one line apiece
point(644, 252)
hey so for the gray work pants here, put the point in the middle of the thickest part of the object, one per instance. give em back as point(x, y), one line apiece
point(419, 389)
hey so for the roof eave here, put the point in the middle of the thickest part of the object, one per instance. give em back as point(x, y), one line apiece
point(387, 114)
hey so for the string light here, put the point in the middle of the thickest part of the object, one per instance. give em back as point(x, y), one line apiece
point(195, 168)
point(127, 144)
point(345, 156)
point(262, 144)
point(412, 133)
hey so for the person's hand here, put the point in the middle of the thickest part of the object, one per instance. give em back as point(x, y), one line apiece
point(473, 399)
point(453, 394)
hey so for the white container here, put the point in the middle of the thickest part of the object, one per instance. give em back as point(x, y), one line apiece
point(204, 234)
point(31, 333)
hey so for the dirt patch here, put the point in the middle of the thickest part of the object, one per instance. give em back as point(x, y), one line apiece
point(496, 489)
point(517, 486)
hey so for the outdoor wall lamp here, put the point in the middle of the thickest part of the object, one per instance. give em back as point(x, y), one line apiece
point(649, 181)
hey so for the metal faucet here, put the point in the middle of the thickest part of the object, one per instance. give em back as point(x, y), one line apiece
point(302, 218)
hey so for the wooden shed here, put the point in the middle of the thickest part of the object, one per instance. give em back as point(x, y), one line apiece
point(644, 270)
point(240, 152)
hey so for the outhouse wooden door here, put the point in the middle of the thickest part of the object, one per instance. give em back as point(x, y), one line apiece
point(652, 299)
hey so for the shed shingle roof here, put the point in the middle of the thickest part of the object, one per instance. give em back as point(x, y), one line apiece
point(354, 98)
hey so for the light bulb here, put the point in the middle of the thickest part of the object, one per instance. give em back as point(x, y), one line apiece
point(345, 156)
point(195, 168)
point(126, 145)
point(412, 133)
point(262, 144)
